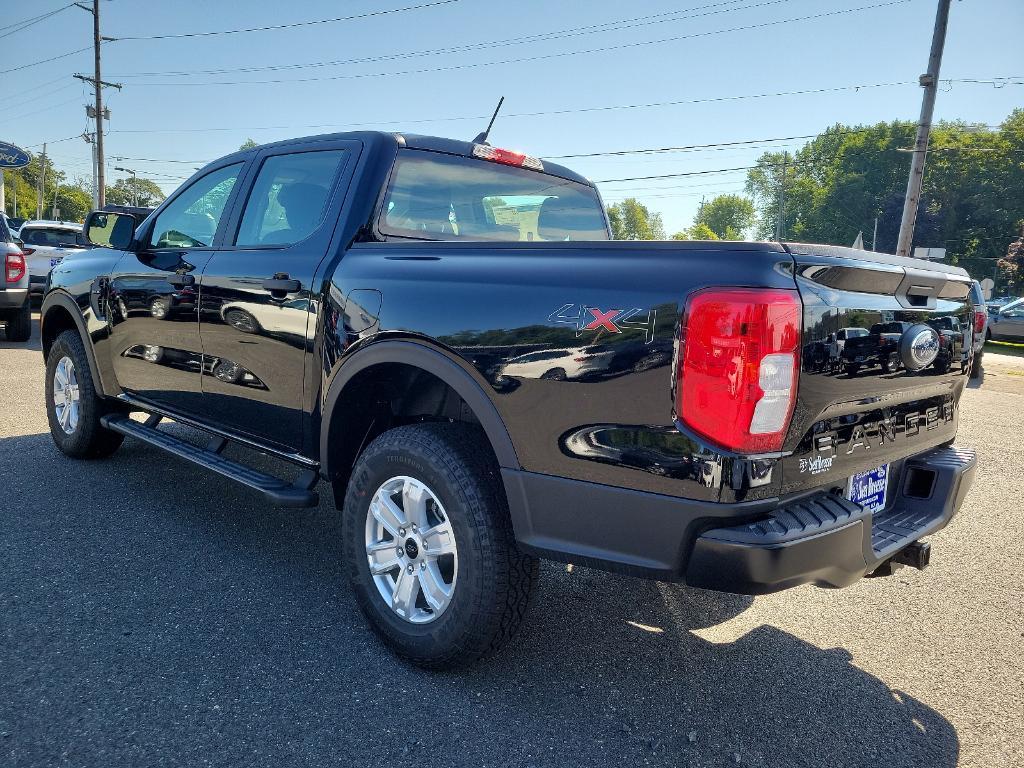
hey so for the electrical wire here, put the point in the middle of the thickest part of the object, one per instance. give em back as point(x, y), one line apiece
point(45, 61)
point(610, 26)
point(26, 23)
point(293, 25)
point(544, 57)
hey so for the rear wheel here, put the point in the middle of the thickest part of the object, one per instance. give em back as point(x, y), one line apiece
point(160, 308)
point(73, 407)
point(429, 547)
point(555, 374)
point(851, 370)
point(976, 364)
point(19, 323)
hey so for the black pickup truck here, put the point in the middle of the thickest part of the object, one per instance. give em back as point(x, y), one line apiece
point(442, 331)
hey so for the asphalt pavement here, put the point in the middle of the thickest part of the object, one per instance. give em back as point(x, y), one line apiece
point(153, 614)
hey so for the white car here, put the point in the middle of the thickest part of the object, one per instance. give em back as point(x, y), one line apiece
point(46, 244)
point(573, 363)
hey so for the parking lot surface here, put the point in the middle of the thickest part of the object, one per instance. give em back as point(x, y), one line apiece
point(153, 614)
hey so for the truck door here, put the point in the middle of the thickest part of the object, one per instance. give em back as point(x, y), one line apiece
point(155, 347)
point(258, 305)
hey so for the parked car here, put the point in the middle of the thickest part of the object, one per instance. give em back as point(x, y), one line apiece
point(15, 310)
point(573, 363)
point(47, 243)
point(878, 346)
point(730, 468)
point(1007, 324)
point(994, 305)
point(979, 327)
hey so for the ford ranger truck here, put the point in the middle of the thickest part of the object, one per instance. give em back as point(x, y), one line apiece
point(444, 333)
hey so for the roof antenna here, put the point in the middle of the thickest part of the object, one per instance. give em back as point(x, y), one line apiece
point(481, 138)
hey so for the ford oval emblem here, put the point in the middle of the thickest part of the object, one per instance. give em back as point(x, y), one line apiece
point(12, 156)
point(919, 347)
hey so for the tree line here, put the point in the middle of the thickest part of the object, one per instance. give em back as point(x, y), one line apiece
point(72, 198)
point(840, 183)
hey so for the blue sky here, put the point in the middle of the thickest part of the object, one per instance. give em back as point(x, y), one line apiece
point(159, 120)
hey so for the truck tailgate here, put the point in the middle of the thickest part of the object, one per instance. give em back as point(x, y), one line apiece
point(895, 393)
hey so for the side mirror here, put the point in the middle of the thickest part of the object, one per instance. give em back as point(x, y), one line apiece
point(106, 229)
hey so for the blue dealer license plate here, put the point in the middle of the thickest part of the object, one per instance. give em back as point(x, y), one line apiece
point(868, 488)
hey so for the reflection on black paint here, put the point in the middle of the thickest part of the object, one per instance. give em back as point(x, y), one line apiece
point(223, 370)
point(661, 451)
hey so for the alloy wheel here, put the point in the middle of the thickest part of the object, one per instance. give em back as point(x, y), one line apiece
point(66, 395)
point(410, 550)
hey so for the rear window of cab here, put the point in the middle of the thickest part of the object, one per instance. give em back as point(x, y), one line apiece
point(437, 196)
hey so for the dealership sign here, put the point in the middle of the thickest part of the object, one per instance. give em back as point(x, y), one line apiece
point(12, 156)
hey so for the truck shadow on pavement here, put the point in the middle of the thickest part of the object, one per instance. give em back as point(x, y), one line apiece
point(153, 613)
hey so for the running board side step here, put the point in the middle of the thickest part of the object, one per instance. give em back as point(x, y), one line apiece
point(298, 493)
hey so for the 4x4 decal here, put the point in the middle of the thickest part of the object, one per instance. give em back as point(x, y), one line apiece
point(587, 318)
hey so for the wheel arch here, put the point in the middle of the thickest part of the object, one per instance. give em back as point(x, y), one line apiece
point(382, 358)
point(60, 313)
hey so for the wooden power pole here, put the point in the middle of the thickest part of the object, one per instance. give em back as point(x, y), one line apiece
point(930, 83)
point(98, 85)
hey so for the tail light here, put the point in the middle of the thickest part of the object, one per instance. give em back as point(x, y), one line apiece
point(736, 375)
point(28, 251)
point(979, 321)
point(15, 266)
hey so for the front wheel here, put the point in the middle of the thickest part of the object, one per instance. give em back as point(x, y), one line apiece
point(73, 407)
point(429, 547)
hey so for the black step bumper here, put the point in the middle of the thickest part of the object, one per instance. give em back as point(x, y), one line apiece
point(821, 538)
point(827, 540)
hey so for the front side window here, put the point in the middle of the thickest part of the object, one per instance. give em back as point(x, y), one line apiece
point(436, 196)
point(192, 218)
point(289, 198)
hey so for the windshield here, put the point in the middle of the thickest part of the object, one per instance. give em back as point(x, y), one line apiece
point(435, 196)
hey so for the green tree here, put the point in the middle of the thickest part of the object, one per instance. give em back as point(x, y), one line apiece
point(841, 181)
point(248, 144)
point(730, 217)
point(701, 231)
point(631, 220)
point(133, 190)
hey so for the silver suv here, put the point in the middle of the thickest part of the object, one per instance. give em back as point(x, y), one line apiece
point(14, 301)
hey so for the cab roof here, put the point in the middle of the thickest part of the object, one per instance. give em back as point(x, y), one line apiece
point(414, 141)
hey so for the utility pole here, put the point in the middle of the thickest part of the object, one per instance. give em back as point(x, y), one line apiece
point(930, 82)
point(874, 237)
point(53, 211)
point(40, 181)
point(98, 85)
point(135, 189)
point(90, 139)
point(780, 225)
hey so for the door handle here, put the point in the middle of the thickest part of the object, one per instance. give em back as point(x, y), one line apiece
point(180, 281)
point(281, 283)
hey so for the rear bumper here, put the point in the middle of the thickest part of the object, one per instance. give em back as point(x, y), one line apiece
point(822, 539)
point(830, 541)
point(12, 298)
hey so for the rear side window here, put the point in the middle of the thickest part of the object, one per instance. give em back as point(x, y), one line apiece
point(289, 198)
point(436, 196)
point(49, 236)
point(5, 233)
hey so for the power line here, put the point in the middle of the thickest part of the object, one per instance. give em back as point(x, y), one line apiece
point(620, 24)
point(293, 25)
point(540, 113)
point(26, 23)
point(45, 61)
point(544, 57)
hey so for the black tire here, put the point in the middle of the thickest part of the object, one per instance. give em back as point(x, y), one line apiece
point(19, 323)
point(555, 374)
point(88, 440)
point(495, 579)
point(851, 370)
point(976, 364)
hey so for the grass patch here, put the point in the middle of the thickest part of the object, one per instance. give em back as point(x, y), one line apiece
point(1005, 348)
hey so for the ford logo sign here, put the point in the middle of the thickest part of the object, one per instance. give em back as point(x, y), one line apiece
point(12, 156)
point(919, 346)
